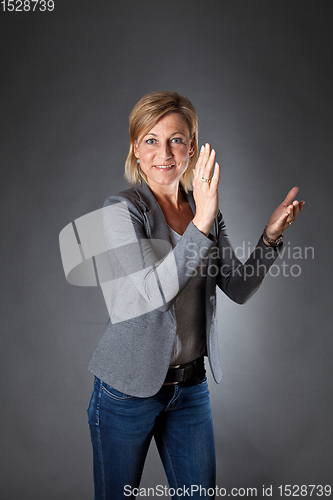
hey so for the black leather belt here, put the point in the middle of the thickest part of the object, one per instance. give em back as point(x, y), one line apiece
point(185, 373)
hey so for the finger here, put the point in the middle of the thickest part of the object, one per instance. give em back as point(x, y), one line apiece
point(199, 162)
point(288, 214)
point(205, 156)
point(295, 209)
point(282, 224)
point(202, 160)
point(208, 168)
point(216, 175)
point(204, 167)
point(290, 196)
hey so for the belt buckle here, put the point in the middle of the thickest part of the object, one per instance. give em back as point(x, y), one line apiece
point(173, 367)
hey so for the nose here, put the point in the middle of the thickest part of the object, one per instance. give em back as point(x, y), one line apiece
point(165, 151)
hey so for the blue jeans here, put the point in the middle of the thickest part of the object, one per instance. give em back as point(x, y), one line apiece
point(122, 426)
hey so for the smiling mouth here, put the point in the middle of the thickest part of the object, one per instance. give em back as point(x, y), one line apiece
point(164, 167)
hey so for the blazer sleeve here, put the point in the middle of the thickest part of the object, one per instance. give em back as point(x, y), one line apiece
point(239, 281)
point(145, 273)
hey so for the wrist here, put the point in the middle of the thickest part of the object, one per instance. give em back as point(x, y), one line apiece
point(201, 225)
point(270, 241)
point(273, 235)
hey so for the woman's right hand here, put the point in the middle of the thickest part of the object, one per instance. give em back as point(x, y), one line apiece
point(206, 193)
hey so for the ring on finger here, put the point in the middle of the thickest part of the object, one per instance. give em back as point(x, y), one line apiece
point(205, 180)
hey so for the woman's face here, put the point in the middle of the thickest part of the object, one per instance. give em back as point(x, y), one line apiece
point(165, 150)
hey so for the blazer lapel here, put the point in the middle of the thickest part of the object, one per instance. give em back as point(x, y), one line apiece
point(156, 221)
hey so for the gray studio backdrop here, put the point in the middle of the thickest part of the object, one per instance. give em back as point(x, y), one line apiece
point(259, 73)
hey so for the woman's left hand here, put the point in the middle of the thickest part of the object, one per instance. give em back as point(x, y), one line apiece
point(284, 215)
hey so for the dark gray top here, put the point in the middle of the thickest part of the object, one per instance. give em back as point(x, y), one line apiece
point(190, 339)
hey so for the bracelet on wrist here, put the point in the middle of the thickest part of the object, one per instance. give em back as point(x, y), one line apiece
point(273, 243)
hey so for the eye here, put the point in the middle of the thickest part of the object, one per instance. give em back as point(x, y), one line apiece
point(150, 141)
point(176, 140)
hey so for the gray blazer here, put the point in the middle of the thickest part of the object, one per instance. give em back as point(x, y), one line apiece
point(134, 351)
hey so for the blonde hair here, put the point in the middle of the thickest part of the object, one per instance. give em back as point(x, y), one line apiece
point(144, 116)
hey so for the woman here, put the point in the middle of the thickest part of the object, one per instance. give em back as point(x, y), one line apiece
point(168, 250)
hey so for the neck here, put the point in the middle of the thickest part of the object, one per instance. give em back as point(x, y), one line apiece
point(170, 194)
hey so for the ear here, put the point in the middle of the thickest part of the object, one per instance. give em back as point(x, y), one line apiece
point(136, 149)
point(192, 146)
